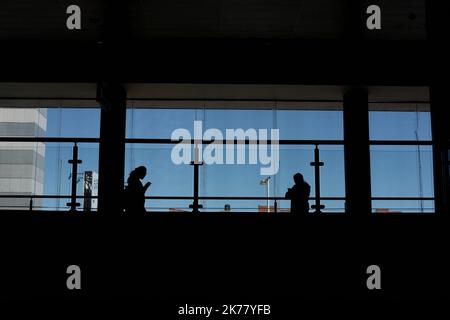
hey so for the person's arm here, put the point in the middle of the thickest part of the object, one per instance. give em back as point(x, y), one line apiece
point(146, 186)
point(307, 192)
point(288, 194)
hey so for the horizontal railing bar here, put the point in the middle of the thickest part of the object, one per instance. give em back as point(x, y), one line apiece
point(223, 141)
point(160, 197)
point(264, 198)
point(403, 198)
point(49, 139)
point(170, 141)
point(204, 197)
point(22, 196)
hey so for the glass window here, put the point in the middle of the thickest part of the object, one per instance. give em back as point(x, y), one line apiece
point(402, 175)
point(73, 122)
point(168, 179)
point(42, 168)
point(310, 124)
point(58, 172)
point(401, 125)
point(235, 119)
point(238, 180)
point(402, 172)
point(159, 123)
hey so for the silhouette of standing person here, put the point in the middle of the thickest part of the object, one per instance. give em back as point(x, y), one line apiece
point(299, 195)
point(135, 191)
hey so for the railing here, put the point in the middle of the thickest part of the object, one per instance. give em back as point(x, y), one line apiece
point(275, 199)
point(316, 163)
point(275, 209)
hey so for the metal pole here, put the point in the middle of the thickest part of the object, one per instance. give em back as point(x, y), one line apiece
point(73, 204)
point(317, 164)
point(196, 163)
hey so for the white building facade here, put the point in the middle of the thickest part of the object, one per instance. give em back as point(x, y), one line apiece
point(22, 163)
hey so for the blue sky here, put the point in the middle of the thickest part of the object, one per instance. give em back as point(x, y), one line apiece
point(395, 170)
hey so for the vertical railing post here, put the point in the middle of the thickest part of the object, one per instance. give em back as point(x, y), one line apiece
point(31, 204)
point(195, 206)
point(73, 204)
point(317, 164)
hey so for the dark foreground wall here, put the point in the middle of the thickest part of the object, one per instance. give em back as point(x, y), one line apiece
point(218, 257)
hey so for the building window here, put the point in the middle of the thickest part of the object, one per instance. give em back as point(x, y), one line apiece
point(401, 158)
point(35, 165)
point(301, 127)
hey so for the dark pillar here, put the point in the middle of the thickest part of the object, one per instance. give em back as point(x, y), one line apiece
point(438, 31)
point(356, 118)
point(357, 152)
point(112, 97)
point(439, 122)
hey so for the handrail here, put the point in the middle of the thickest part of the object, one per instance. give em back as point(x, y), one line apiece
point(275, 199)
point(235, 141)
point(161, 197)
point(223, 141)
point(49, 139)
point(168, 141)
point(23, 196)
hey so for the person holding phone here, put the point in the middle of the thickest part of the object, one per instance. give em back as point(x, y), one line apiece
point(135, 191)
point(299, 195)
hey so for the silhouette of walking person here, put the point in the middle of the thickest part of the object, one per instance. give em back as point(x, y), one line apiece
point(299, 195)
point(135, 191)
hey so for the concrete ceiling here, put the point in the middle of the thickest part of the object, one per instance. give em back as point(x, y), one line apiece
point(222, 19)
point(165, 95)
